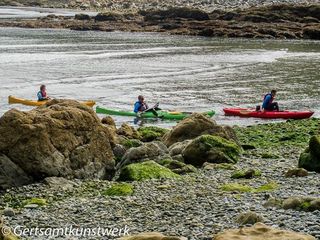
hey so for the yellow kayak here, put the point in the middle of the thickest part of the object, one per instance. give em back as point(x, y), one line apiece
point(15, 100)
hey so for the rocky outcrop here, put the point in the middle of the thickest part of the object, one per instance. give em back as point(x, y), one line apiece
point(174, 13)
point(62, 138)
point(197, 125)
point(260, 231)
point(108, 16)
point(213, 149)
point(310, 159)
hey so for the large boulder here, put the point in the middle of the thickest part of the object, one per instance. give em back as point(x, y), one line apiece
point(197, 125)
point(148, 151)
point(62, 138)
point(212, 149)
point(310, 159)
point(260, 231)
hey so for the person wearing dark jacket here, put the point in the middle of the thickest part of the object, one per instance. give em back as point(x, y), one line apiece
point(268, 102)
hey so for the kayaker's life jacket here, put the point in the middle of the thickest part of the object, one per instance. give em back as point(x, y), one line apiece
point(42, 95)
point(267, 100)
point(140, 107)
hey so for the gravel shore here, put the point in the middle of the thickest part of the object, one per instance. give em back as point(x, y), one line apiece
point(194, 207)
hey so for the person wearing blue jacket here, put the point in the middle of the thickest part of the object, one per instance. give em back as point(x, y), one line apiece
point(140, 105)
point(42, 94)
point(268, 104)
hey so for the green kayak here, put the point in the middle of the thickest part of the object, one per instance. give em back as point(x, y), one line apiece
point(161, 114)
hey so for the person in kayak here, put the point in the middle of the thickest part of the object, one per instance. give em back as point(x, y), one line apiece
point(42, 94)
point(268, 104)
point(140, 105)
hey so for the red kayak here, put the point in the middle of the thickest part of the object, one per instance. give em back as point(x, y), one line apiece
point(248, 112)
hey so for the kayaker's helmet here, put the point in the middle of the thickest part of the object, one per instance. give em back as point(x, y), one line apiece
point(42, 87)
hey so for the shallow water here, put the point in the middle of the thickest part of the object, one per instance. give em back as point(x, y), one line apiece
point(182, 73)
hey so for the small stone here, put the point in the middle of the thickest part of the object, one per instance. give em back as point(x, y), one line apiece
point(9, 212)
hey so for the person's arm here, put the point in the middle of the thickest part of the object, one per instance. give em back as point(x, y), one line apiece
point(136, 107)
point(40, 98)
point(266, 101)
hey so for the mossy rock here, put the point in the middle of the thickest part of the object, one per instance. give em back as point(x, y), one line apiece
point(223, 166)
point(236, 187)
point(213, 149)
point(248, 173)
point(177, 166)
point(120, 189)
point(151, 133)
point(36, 201)
point(267, 187)
point(310, 158)
point(130, 143)
point(308, 204)
point(145, 171)
point(269, 155)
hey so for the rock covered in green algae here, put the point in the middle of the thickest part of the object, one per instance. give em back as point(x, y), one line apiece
point(236, 187)
point(177, 166)
point(145, 171)
point(120, 189)
point(247, 173)
point(213, 149)
point(275, 136)
point(196, 125)
point(301, 203)
point(151, 133)
point(310, 159)
point(131, 143)
point(128, 131)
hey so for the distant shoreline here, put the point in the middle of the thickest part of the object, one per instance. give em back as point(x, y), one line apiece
point(125, 6)
point(271, 22)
